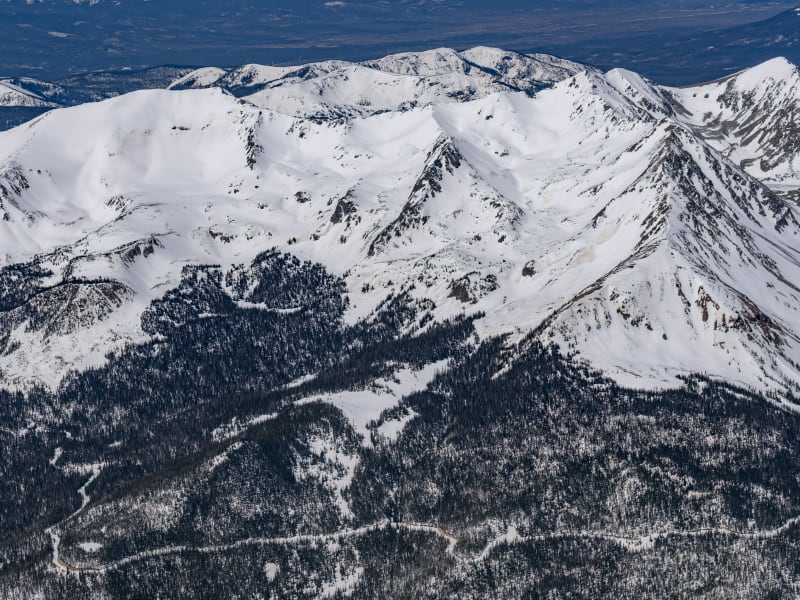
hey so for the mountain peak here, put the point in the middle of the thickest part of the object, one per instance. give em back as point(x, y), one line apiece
point(752, 118)
point(424, 64)
point(778, 69)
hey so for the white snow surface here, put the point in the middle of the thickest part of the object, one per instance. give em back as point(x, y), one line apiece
point(362, 407)
point(199, 78)
point(605, 214)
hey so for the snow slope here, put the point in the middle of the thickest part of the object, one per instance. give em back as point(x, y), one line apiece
point(599, 214)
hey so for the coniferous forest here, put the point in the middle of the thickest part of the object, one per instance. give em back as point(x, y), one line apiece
point(203, 464)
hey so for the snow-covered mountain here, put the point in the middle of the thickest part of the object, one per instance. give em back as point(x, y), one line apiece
point(623, 221)
point(752, 118)
point(322, 91)
point(345, 330)
point(337, 89)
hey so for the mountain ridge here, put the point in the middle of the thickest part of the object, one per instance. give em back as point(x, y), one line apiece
point(451, 221)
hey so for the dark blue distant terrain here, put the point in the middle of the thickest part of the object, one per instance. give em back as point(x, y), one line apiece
point(50, 39)
point(93, 49)
point(680, 58)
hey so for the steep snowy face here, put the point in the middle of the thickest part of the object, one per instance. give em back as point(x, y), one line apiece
point(635, 236)
point(690, 290)
point(593, 214)
point(751, 117)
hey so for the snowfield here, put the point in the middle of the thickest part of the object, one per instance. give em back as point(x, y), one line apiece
point(650, 231)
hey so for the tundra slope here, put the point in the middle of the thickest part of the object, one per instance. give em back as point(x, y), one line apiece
point(621, 220)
